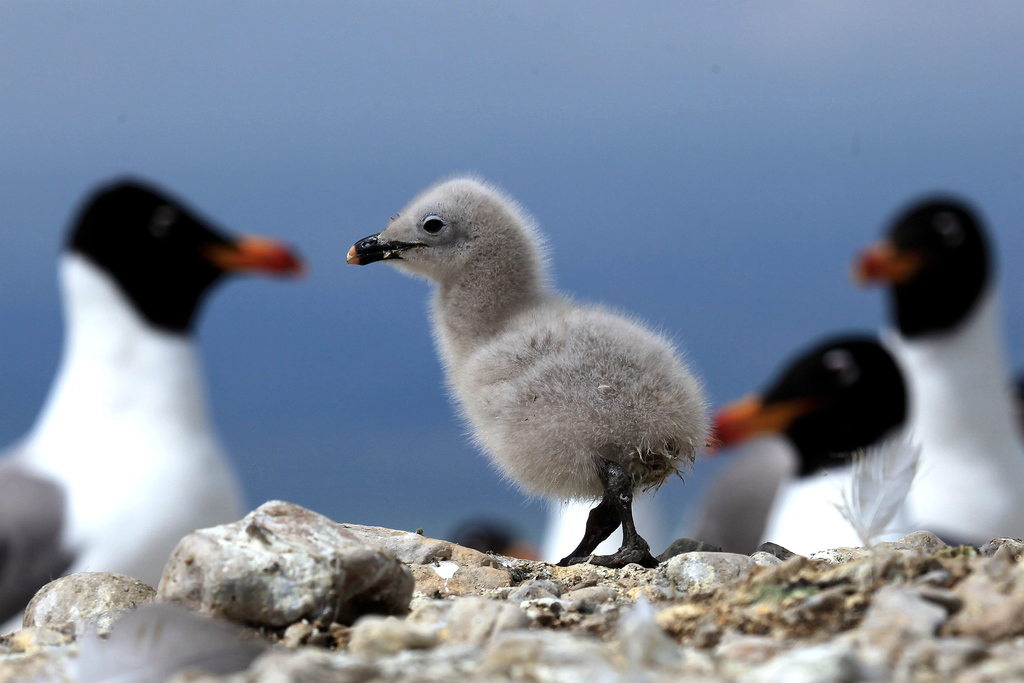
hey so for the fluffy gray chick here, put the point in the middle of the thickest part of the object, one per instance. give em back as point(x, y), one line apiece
point(569, 401)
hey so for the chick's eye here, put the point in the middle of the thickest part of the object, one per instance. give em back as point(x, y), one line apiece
point(433, 224)
point(163, 218)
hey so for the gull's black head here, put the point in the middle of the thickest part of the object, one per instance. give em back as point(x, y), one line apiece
point(162, 255)
point(834, 398)
point(935, 260)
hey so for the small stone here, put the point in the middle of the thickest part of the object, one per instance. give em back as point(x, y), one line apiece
point(37, 639)
point(1014, 545)
point(411, 548)
point(309, 665)
point(999, 564)
point(745, 650)
point(938, 658)
point(643, 643)
point(924, 541)
point(987, 612)
point(589, 600)
point(827, 663)
point(280, 564)
point(475, 621)
point(375, 636)
point(896, 618)
point(297, 634)
point(841, 555)
point(763, 559)
point(699, 572)
point(532, 590)
point(95, 599)
point(463, 580)
point(54, 665)
point(776, 550)
point(941, 578)
point(429, 612)
point(546, 656)
point(944, 598)
point(687, 545)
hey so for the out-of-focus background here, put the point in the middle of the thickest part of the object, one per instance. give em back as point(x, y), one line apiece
point(711, 167)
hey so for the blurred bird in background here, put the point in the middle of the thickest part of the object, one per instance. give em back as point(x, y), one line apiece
point(122, 460)
point(936, 263)
point(840, 395)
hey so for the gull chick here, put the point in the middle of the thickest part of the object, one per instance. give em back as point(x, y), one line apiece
point(570, 401)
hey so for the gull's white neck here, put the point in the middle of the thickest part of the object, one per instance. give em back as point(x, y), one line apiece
point(116, 371)
point(972, 461)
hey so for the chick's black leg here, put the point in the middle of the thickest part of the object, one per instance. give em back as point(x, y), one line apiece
point(618, 497)
point(603, 520)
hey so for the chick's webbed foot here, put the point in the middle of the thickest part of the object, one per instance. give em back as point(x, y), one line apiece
point(615, 508)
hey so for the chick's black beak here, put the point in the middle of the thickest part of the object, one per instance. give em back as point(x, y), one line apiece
point(373, 248)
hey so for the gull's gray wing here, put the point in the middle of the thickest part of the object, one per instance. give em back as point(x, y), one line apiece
point(31, 520)
point(735, 509)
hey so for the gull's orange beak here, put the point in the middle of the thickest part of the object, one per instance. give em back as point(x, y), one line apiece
point(255, 255)
point(751, 417)
point(884, 263)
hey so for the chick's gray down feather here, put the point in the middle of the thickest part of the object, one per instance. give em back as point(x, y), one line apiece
point(550, 387)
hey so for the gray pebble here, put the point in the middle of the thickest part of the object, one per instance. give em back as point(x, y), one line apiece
point(701, 572)
point(532, 590)
point(687, 545)
point(589, 600)
point(476, 620)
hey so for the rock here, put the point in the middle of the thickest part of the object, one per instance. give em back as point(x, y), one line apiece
point(987, 613)
point(408, 547)
point(827, 663)
point(896, 618)
point(643, 644)
point(532, 590)
point(1014, 545)
point(309, 665)
point(999, 565)
point(440, 665)
point(924, 541)
point(375, 636)
point(938, 659)
point(32, 639)
point(90, 598)
point(763, 559)
point(429, 612)
point(738, 653)
point(476, 620)
point(944, 598)
point(941, 578)
point(841, 555)
point(297, 634)
point(280, 564)
point(590, 599)
point(687, 545)
point(703, 572)
point(776, 550)
point(546, 656)
point(449, 579)
point(49, 667)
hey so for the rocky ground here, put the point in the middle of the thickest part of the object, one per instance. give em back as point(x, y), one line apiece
point(296, 597)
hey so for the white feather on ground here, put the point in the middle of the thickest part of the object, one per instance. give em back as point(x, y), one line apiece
point(881, 479)
point(156, 641)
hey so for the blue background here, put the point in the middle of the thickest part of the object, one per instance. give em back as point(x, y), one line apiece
point(710, 167)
